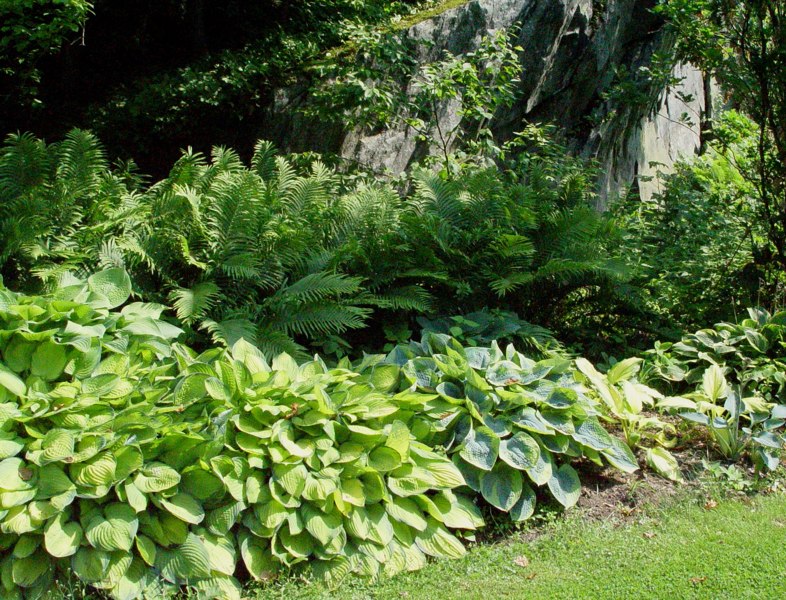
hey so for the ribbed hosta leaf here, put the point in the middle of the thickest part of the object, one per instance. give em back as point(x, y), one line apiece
point(115, 530)
point(156, 477)
point(188, 562)
point(436, 541)
point(520, 451)
point(502, 486)
point(481, 448)
point(185, 508)
point(62, 537)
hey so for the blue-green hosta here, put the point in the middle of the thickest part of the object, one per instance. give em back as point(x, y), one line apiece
point(507, 421)
point(138, 464)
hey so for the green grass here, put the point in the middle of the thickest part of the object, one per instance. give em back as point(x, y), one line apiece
point(735, 550)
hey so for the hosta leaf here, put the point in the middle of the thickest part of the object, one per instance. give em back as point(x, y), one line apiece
point(436, 541)
point(541, 472)
point(332, 572)
point(112, 285)
point(620, 456)
point(323, 526)
point(99, 471)
point(457, 512)
point(470, 473)
point(184, 507)
point(132, 584)
point(592, 434)
point(221, 551)
point(187, 562)
point(146, 548)
point(222, 519)
point(90, 564)
point(48, 361)
point(115, 530)
point(257, 559)
point(61, 537)
point(623, 370)
point(26, 571)
point(10, 381)
point(664, 463)
point(525, 506)
point(502, 486)
point(136, 499)
point(156, 477)
point(52, 481)
point(15, 475)
point(406, 511)
point(561, 398)
point(58, 444)
point(299, 546)
point(714, 383)
point(520, 451)
point(218, 586)
point(481, 448)
point(384, 459)
point(565, 485)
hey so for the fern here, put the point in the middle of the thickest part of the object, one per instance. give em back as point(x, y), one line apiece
point(194, 303)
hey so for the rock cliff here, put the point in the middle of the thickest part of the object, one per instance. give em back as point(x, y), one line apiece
point(572, 51)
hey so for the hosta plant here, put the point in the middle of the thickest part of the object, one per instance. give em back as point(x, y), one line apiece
point(737, 423)
point(137, 464)
point(508, 422)
point(631, 406)
point(751, 352)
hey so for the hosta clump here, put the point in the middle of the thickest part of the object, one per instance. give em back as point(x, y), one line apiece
point(751, 352)
point(732, 380)
point(335, 477)
point(77, 384)
point(507, 421)
point(138, 464)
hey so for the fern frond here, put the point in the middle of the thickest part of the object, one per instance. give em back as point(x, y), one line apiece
point(322, 319)
point(229, 331)
point(318, 286)
point(264, 159)
point(411, 297)
point(191, 304)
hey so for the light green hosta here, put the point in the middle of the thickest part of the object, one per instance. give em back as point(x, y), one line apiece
point(630, 404)
point(138, 464)
point(134, 462)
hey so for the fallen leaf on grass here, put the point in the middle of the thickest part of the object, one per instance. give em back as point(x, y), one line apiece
point(531, 576)
point(778, 523)
point(521, 561)
point(710, 504)
point(697, 580)
point(649, 534)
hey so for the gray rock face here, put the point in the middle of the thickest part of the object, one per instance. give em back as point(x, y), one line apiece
point(572, 49)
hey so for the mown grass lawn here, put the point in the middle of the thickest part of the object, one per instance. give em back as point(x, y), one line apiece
point(734, 550)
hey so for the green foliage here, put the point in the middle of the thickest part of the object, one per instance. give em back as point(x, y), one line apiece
point(731, 379)
point(506, 420)
point(629, 404)
point(381, 84)
point(482, 327)
point(141, 465)
point(743, 45)
point(287, 252)
point(698, 246)
point(31, 30)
